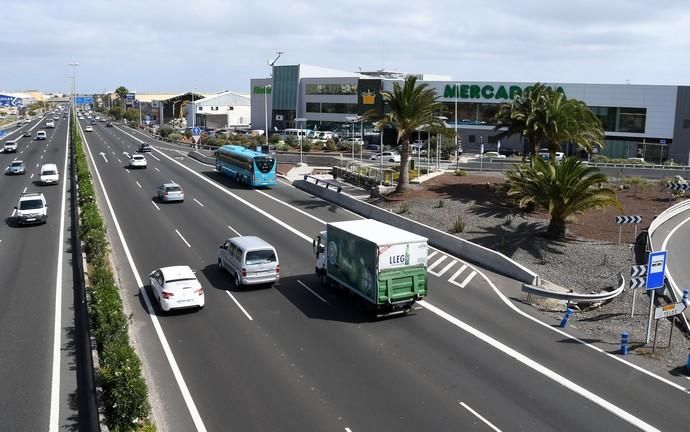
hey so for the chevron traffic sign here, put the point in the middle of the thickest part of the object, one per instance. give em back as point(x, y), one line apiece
point(637, 282)
point(628, 219)
point(674, 186)
point(638, 271)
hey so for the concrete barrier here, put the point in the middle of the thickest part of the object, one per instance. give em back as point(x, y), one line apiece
point(202, 158)
point(474, 253)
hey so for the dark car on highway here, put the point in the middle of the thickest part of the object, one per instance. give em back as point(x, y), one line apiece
point(144, 147)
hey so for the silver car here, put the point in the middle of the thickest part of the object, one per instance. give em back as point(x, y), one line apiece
point(15, 167)
point(170, 192)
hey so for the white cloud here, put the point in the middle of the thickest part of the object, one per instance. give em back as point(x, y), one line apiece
point(220, 44)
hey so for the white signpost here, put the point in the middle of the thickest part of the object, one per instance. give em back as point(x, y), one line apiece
point(196, 134)
point(666, 311)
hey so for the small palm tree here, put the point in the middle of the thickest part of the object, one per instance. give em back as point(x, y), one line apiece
point(121, 93)
point(411, 108)
point(562, 189)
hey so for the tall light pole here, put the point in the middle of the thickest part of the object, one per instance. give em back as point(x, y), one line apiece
point(74, 80)
point(455, 120)
point(353, 120)
point(266, 87)
point(299, 120)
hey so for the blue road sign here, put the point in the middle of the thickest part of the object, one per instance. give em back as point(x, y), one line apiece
point(196, 131)
point(2, 132)
point(83, 100)
point(656, 267)
point(147, 117)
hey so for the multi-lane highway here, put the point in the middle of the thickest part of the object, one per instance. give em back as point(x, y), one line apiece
point(301, 357)
point(37, 366)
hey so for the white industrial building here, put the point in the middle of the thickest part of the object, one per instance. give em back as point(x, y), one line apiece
point(225, 110)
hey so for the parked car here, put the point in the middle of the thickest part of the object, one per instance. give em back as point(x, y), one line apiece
point(387, 156)
point(250, 260)
point(544, 154)
point(176, 287)
point(15, 167)
point(492, 155)
point(137, 161)
point(31, 209)
point(170, 192)
point(373, 147)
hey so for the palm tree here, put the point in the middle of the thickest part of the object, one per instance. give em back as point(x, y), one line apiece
point(411, 108)
point(563, 189)
point(121, 93)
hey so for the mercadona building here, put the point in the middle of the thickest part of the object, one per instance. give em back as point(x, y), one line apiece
point(649, 121)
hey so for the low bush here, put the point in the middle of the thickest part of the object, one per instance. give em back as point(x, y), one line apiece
point(460, 173)
point(458, 226)
point(125, 396)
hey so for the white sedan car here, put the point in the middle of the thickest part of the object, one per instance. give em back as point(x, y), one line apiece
point(88, 129)
point(492, 155)
point(137, 161)
point(176, 288)
point(387, 156)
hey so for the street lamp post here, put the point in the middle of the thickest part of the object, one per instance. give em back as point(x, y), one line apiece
point(455, 120)
point(353, 120)
point(438, 143)
point(74, 80)
point(299, 120)
point(266, 87)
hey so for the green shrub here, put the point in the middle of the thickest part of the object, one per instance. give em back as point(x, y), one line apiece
point(460, 173)
point(331, 146)
point(306, 146)
point(441, 204)
point(281, 146)
point(404, 208)
point(175, 136)
point(165, 131)
point(291, 141)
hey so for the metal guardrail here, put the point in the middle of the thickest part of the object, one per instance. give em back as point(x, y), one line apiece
point(573, 297)
point(325, 183)
point(676, 293)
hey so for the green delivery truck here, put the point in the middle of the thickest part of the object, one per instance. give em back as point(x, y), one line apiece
point(384, 265)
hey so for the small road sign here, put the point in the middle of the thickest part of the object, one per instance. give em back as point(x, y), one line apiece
point(669, 310)
point(655, 270)
point(637, 282)
point(196, 133)
point(638, 270)
point(147, 120)
point(628, 219)
point(674, 186)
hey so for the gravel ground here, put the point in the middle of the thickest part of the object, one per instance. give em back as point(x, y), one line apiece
point(580, 264)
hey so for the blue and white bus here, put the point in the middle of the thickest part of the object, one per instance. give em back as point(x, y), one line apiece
point(246, 166)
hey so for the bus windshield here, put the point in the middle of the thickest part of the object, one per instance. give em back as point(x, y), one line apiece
point(264, 163)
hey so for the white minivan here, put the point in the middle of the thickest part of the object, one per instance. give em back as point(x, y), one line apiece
point(49, 174)
point(250, 260)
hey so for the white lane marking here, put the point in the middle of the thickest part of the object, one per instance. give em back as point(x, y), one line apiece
point(54, 422)
point(139, 185)
point(465, 282)
point(156, 169)
point(103, 154)
point(154, 156)
point(158, 208)
point(24, 191)
point(32, 176)
point(127, 169)
point(186, 395)
point(347, 429)
point(126, 154)
point(446, 268)
point(119, 160)
point(41, 156)
point(249, 317)
point(36, 164)
point(431, 255)
point(455, 275)
point(235, 231)
point(197, 201)
point(21, 152)
point(543, 370)
point(14, 212)
point(436, 263)
point(476, 414)
point(183, 239)
point(312, 291)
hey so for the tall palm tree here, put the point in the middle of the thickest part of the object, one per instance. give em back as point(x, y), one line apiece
point(121, 93)
point(563, 189)
point(411, 108)
point(519, 117)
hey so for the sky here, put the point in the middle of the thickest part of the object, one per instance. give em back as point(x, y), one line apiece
point(171, 46)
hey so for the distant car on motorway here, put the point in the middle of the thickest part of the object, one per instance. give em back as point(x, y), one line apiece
point(176, 287)
point(16, 167)
point(88, 128)
point(41, 135)
point(50, 124)
point(168, 192)
point(49, 174)
point(10, 146)
point(109, 124)
point(137, 161)
point(27, 133)
point(144, 147)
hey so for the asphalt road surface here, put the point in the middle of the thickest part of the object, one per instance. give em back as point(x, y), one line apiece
point(37, 375)
point(299, 356)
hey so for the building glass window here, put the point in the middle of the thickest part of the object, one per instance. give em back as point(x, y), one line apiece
point(614, 119)
point(331, 89)
point(331, 108)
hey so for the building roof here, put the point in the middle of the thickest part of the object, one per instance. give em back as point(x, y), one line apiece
point(226, 98)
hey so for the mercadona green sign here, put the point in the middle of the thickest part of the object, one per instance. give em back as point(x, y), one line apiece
point(474, 91)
